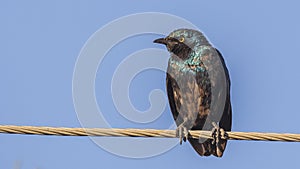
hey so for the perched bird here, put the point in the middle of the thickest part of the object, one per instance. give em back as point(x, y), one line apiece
point(198, 88)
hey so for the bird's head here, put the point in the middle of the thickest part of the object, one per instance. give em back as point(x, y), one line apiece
point(181, 42)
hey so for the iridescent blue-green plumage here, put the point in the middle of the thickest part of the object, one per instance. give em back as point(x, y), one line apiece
point(198, 87)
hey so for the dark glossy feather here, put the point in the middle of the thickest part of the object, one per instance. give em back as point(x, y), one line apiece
point(190, 96)
point(198, 88)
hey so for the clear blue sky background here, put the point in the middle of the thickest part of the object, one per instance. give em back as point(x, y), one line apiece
point(39, 45)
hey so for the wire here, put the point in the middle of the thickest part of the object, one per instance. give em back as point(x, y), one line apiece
point(116, 132)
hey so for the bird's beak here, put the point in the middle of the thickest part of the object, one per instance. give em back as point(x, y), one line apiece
point(161, 41)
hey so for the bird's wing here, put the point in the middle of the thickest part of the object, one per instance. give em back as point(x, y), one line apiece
point(220, 106)
point(219, 89)
point(226, 120)
point(174, 97)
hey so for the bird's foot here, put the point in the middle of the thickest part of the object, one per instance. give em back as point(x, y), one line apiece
point(217, 134)
point(219, 140)
point(182, 133)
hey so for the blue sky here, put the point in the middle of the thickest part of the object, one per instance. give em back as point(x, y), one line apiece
point(40, 43)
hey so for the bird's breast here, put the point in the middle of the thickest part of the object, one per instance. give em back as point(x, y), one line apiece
point(190, 86)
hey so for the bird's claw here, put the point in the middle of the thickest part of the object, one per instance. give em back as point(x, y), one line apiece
point(182, 133)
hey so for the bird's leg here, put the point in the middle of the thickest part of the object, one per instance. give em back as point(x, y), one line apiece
point(182, 131)
point(219, 136)
point(217, 133)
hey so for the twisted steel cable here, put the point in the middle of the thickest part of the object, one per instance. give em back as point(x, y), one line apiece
point(116, 132)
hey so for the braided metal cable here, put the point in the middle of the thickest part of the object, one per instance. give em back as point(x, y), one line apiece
point(115, 132)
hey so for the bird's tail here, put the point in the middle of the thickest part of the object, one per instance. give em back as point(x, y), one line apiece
point(207, 148)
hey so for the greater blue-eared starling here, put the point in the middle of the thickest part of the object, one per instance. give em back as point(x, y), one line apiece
point(198, 88)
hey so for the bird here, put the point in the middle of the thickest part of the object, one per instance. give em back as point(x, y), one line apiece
point(198, 89)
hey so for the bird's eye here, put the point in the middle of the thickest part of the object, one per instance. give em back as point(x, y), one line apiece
point(181, 39)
